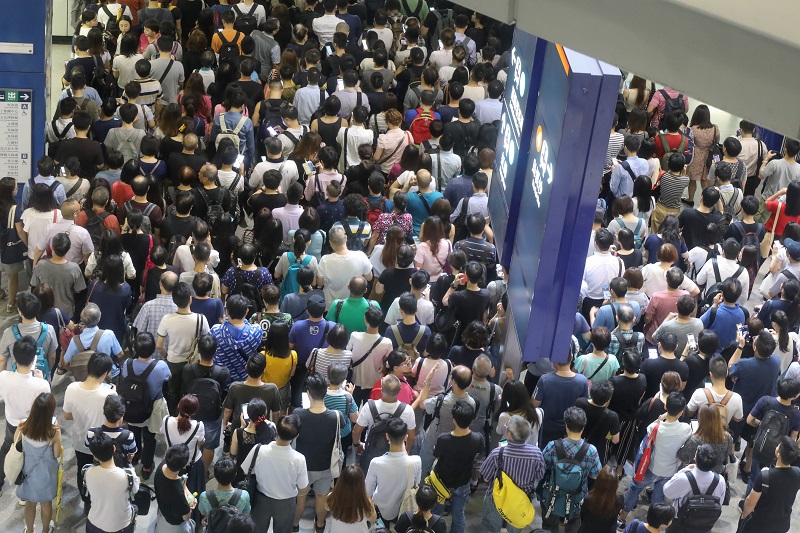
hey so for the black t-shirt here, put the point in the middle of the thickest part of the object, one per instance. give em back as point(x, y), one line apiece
point(317, 437)
point(600, 422)
point(239, 393)
point(170, 497)
point(410, 73)
point(469, 305)
point(357, 178)
point(215, 195)
point(88, 64)
point(698, 370)
point(270, 201)
point(88, 152)
point(461, 355)
point(774, 509)
point(167, 147)
point(154, 278)
point(138, 246)
point(175, 225)
point(195, 370)
point(179, 160)
point(329, 214)
point(254, 92)
point(693, 226)
point(734, 233)
point(435, 524)
point(375, 101)
point(653, 369)
point(395, 283)
point(632, 260)
point(628, 394)
point(456, 455)
point(465, 135)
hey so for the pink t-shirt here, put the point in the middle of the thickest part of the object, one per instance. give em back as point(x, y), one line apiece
point(661, 304)
point(660, 102)
point(433, 264)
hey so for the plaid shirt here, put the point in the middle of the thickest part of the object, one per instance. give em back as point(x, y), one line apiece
point(522, 462)
point(152, 312)
point(590, 465)
point(613, 348)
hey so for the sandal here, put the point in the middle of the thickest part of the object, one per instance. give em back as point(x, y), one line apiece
point(11, 308)
point(61, 371)
point(318, 529)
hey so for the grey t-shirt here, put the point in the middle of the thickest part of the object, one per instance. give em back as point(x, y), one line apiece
point(681, 330)
point(779, 174)
point(443, 424)
point(66, 280)
point(34, 330)
point(169, 85)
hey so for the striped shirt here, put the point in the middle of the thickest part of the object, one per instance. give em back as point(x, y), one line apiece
point(523, 463)
point(127, 443)
point(151, 91)
point(615, 143)
point(341, 400)
point(324, 359)
point(672, 187)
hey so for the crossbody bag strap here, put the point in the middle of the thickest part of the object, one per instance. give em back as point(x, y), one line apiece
point(366, 355)
point(166, 71)
point(599, 368)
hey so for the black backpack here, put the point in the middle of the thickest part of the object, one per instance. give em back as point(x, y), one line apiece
point(749, 237)
point(270, 117)
point(215, 214)
point(355, 241)
point(135, 394)
point(219, 516)
point(229, 50)
point(52, 146)
point(209, 395)
point(248, 290)
point(774, 425)
point(700, 511)
point(727, 214)
point(461, 221)
point(377, 444)
point(102, 80)
point(172, 246)
point(716, 287)
point(95, 224)
point(112, 24)
point(672, 104)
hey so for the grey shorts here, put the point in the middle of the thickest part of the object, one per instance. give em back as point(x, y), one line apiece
point(321, 482)
point(13, 268)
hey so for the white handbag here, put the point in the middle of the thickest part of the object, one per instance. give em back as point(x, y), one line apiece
point(15, 462)
point(336, 451)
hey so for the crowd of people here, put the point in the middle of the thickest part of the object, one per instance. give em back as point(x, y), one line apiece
point(261, 236)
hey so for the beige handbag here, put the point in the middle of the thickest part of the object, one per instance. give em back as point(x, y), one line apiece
point(769, 238)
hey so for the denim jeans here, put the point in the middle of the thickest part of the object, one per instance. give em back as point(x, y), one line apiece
point(458, 500)
point(636, 487)
point(755, 466)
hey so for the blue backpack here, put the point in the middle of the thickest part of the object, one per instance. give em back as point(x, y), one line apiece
point(560, 489)
point(289, 284)
point(41, 358)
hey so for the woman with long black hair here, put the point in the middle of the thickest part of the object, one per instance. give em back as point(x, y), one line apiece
point(11, 216)
point(787, 210)
point(257, 430)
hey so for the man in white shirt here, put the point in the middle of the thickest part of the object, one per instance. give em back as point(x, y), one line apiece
point(680, 487)
point(18, 390)
point(600, 269)
point(248, 7)
point(325, 26)
point(353, 137)
point(290, 137)
point(752, 148)
point(369, 349)
point(112, 10)
point(183, 254)
point(335, 270)
point(445, 164)
point(109, 488)
point(289, 215)
point(726, 266)
point(490, 109)
point(387, 476)
point(275, 161)
point(390, 389)
point(718, 370)
point(83, 404)
point(281, 477)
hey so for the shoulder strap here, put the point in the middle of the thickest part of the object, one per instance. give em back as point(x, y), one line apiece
point(726, 399)
point(96, 340)
point(418, 336)
point(166, 70)
point(712, 487)
point(253, 462)
point(715, 266)
point(693, 483)
point(366, 355)
point(605, 360)
point(582, 452)
point(373, 410)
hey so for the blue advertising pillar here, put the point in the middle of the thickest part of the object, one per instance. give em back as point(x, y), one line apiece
point(549, 185)
point(24, 82)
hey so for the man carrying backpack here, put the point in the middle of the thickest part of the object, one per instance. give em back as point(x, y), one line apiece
point(419, 120)
point(140, 387)
point(697, 493)
point(523, 465)
point(356, 228)
point(219, 505)
point(774, 417)
point(152, 214)
point(768, 507)
point(209, 382)
point(124, 442)
point(721, 268)
point(668, 435)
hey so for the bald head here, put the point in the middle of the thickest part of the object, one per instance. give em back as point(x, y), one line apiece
point(358, 287)
point(69, 208)
point(208, 173)
point(423, 179)
point(168, 281)
point(461, 377)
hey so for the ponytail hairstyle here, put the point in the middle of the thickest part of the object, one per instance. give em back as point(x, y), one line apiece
point(300, 242)
point(257, 412)
point(426, 498)
point(305, 278)
point(187, 408)
point(781, 319)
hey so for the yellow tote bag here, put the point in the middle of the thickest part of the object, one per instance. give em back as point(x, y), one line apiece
point(511, 501)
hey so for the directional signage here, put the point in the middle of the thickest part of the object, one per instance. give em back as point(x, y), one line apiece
point(16, 118)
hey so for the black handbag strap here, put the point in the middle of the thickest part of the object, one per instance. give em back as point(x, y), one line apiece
point(366, 355)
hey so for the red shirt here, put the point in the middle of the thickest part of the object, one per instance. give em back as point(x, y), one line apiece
point(406, 392)
point(673, 140)
point(783, 219)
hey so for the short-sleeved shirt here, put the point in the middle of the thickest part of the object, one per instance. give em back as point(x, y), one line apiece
point(338, 269)
point(317, 437)
point(590, 465)
point(768, 403)
point(774, 510)
point(601, 424)
point(453, 454)
point(223, 497)
point(259, 278)
point(351, 313)
point(654, 369)
point(156, 379)
point(557, 394)
point(66, 280)
point(306, 335)
point(235, 345)
point(181, 330)
point(240, 393)
point(341, 400)
point(34, 329)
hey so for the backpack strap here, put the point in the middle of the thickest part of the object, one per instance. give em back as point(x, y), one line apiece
point(339, 306)
point(713, 486)
point(584, 449)
point(96, 339)
point(240, 125)
point(726, 399)
point(212, 499)
point(418, 336)
point(373, 410)
point(715, 266)
point(233, 500)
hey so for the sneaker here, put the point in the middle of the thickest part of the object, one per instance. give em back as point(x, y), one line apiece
point(620, 525)
point(52, 528)
point(21, 502)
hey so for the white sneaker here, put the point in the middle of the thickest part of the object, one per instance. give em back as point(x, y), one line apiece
point(52, 527)
point(21, 502)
